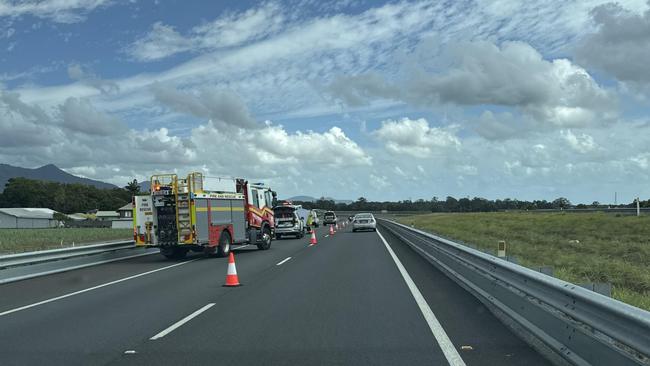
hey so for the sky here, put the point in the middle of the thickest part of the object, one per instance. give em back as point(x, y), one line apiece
point(386, 100)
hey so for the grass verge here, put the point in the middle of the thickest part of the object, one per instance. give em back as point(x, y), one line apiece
point(27, 240)
point(586, 247)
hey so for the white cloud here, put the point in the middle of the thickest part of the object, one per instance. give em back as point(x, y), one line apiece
point(500, 126)
point(225, 31)
point(620, 45)
point(218, 105)
point(271, 150)
point(557, 92)
point(527, 105)
point(282, 67)
point(379, 182)
point(642, 160)
point(399, 171)
point(162, 41)
point(77, 72)
point(467, 169)
point(416, 137)
point(582, 143)
point(78, 115)
point(81, 136)
point(22, 124)
point(60, 11)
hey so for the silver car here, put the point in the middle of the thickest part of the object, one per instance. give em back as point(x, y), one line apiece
point(364, 221)
point(288, 222)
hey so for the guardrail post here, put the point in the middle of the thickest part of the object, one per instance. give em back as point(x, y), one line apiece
point(547, 270)
point(603, 288)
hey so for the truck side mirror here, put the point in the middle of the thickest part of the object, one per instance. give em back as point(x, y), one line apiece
point(274, 201)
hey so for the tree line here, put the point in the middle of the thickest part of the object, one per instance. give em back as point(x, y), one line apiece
point(65, 198)
point(72, 198)
point(452, 204)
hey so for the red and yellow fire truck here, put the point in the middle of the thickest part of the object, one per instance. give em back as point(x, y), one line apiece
point(203, 214)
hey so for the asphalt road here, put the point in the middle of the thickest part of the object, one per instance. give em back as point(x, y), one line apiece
point(343, 301)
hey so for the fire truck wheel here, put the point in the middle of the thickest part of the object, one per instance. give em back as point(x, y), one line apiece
point(265, 240)
point(224, 244)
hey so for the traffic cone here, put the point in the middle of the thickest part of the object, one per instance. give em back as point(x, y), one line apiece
point(231, 276)
point(331, 229)
point(313, 240)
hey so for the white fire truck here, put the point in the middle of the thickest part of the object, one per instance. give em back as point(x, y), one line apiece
point(203, 214)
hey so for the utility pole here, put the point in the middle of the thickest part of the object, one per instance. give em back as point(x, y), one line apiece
point(638, 207)
point(615, 198)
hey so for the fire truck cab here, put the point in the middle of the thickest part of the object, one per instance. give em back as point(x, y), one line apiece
point(203, 214)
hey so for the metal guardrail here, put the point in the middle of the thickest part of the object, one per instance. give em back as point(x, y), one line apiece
point(15, 267)
point(28, 258)
point(575, 325)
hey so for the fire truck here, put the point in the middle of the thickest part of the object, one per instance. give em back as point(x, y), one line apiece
point(203, 214)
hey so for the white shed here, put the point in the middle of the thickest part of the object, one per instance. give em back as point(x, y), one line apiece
point(27, 218)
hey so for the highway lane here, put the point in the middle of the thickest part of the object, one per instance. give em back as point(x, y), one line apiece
point(466, 320)
point(342, 301)
point(95, 326)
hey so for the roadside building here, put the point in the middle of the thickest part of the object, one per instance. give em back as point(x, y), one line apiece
point(107, 215)
point(126, 211)
point(27, 218)
point(126, 217)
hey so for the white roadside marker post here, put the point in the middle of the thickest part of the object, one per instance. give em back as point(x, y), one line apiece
point(501, 250)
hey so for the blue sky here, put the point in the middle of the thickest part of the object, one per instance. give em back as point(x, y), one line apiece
point(388, 100)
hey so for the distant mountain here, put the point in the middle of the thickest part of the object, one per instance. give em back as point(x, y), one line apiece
point(145, 186)
point(314, 199)
point(302, 199)
point(48, 172)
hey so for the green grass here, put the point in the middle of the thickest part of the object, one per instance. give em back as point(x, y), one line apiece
point(611, 248)
point(26, 240)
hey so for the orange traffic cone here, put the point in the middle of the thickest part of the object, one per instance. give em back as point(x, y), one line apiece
point(231, 276)
point(313, 240)
point(331, 229)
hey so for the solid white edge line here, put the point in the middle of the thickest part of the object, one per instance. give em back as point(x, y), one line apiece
point(283, 261)
point(181, 322)
point(93, 288)
point(448, 349)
